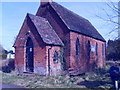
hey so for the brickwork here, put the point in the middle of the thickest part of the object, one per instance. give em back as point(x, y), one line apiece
point(61, 30)
point(39, 51)
point(55, 68)
point(44, 63)
point(82, 63)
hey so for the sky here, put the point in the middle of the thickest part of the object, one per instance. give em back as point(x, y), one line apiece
point(14, 13)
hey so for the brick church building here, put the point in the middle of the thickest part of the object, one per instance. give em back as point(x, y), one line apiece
point(57, 41)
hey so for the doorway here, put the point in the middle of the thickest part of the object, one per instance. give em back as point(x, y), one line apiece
point(29, 55)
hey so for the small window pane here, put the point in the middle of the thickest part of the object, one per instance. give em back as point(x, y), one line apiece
point(55, 57)
point(88, 50)
point(103, 49)
point(96, 49)
point(77, 47)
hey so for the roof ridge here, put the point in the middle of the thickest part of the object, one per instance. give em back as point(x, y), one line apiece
point(76, 22)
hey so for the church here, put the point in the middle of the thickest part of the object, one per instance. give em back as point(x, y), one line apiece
point(56, 41)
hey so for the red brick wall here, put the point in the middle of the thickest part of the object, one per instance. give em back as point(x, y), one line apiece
point(82, 62)
point(69, 40)
point(40, 53)
point(39, 50)
point(55, 68)
point(60, 28)
point(69, 47)
point(19, 59)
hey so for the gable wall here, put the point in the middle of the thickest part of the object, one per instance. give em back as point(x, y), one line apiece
point(39, 50)
point(59, 28)
point(83, 64)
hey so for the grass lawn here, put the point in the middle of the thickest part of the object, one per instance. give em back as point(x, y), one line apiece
point(98, 79)
point(90, 80)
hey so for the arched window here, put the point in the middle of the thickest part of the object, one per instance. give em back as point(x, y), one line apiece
point(77, 47)
point(96, 49)
point(103, 49)
point(55, 57)
point(88, 50)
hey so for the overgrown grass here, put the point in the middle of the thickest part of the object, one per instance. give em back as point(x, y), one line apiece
point(52, 81)
point(98, 79)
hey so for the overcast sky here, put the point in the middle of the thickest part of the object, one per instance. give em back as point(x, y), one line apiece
point(13, 15)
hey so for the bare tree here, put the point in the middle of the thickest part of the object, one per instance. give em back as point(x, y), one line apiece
point(112, 16)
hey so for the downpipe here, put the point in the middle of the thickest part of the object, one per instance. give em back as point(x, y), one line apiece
point(49, 60)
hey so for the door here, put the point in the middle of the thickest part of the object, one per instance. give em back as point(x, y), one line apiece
point(29, 56)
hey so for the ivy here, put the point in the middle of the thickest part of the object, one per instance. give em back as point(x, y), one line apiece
point(62, 60)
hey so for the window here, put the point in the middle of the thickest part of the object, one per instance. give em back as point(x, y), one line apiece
point(55, 57)
point(88, 50)
point(103, 49)
point(96, 49)
point(77, 47)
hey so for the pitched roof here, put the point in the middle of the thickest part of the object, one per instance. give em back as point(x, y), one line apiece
point(75, 22)
point(45, 30)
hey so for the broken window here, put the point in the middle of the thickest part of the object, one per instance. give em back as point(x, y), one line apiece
point(77, 47)
point(55, 57)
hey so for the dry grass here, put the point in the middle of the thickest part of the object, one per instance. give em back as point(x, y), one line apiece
point(100, 79)
point(87, 81)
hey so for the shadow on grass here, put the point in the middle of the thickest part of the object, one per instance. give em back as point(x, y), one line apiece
point(93, 84)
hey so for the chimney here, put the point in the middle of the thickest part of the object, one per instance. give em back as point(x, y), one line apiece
point(45, 2)
point(119, 20)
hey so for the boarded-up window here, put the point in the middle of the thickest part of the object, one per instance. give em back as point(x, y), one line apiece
point(77, 47)
point(96, 49)
point(55, 57)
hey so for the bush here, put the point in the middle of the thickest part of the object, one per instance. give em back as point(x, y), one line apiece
point(8, 68)
point(3, 56)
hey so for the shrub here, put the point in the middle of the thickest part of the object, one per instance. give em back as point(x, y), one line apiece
point(3, 56)
point(101, 71)
point(8, 68)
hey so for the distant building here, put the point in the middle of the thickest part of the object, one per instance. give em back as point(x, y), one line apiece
point(10, 56)
point(56, 40)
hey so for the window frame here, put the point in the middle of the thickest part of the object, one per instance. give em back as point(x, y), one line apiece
point(103, 51)
point(88, 49)
point(77, 47)
point(96, 49)
point(55, 57)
